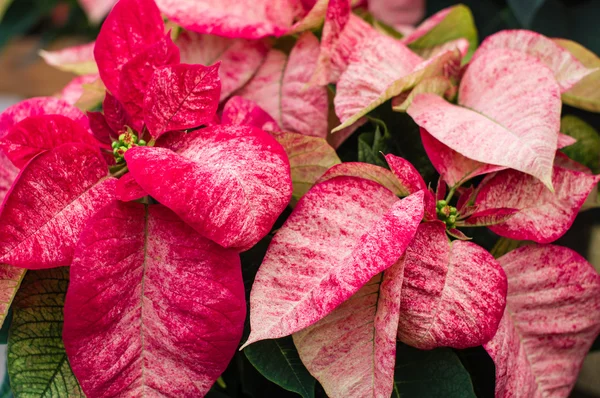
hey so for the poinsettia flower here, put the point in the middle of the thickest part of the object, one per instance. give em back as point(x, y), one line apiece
point(239, 58)
point(549, 324)
point(280, 87)
point(359, 90)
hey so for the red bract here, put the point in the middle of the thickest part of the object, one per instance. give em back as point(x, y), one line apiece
point(327, 250)
point(280, 87)
point(228, 182)
point(49, 204)
point(550, 321)
point(152, 307)
point(37, 134)
point(243, 112)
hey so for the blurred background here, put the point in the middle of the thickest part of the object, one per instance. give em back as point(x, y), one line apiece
point(28, 26)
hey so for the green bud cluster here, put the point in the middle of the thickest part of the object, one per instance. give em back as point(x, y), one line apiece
point(127, 140)
point(446, 213)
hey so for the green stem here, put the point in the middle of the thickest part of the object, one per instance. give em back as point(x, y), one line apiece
point(120, 172)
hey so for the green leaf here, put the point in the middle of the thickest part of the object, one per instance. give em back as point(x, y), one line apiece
point(525, 10)
point(37, 361)
point(278, 361)
point(587, 148)
point(371, 144)
point(434, 373)
point(459, 23)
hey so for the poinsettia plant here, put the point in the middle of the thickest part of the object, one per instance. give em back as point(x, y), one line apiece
point(194, 170)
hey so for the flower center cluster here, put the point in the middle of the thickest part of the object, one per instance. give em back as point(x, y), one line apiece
point(446, 213)
point(127, 140)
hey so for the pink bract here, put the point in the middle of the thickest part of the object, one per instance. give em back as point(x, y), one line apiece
point(343, 232)
point(49, 204)
point(149, 296)
point(128, 189)
point(243, 112)
point(453, 293)
point(230, 183)
point(550, 321)
point(334, 349)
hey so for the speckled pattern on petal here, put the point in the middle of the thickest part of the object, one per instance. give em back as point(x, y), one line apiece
point(153, 308)
point(550, 322)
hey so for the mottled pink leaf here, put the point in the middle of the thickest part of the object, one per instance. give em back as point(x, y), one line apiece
point(281, 88)
point(239, 58)
point(410, 178)
point(343, 232)
point(131, 27)
point(10, 280)
point(550, 322)
point(335, 55)
point(99, 127)
point(453, 293)
point(564, 141)
point(398, 13)
point(336, 18)
point(96, 9)
point(427, 25)
point(181, 97)
point(136, 75)
point(8, 173)
point(128, 189)
point(73, 91)
point(372, 172)
point(243, 112)
point(439, 85)
point(565, 67)
point(359, 90)
point(49, 204)
point(78, 59)
point(457, 234)
point(38, 106)
point(509, 114)
point(37, 134)
point(488, 217)
point(231, 18)
point(153, 308)
point(352, 351)
point(230, 183)
point(543, 216)
point(115, 114)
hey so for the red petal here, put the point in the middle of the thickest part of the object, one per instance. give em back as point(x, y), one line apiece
point(489, 217)
point(335, 348)
point(37, 134)
point(181, 97)
point(343, 232)
point(543, 216)
point(49, 204)
point(38, 106)
point(128, 189)
point(239, 58)
point(382, 176)
point(453, 293)
point(243, 112)
point(8, 173)
point(131, 27)
point(152, 307)
point(115, 114)
point(550, 322)
point(100, 128)
point(230, 183)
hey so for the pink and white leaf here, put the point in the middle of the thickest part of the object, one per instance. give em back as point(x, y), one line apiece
point(181, 97)
point(566, 68)
point(244, 112)
point(77, 59)
point(130, 28)
point(352, 350)
point(96, 9)
point(37, 134)
point(488, 217)
point(427, 25)
point(49, 204)
point(509, 114)
point(281, 88)
point(327, 250)
point(231, 18)
point(38, 106)
point(543, 216)
point(398, 13)
point(73, 91)
point(550, 321)
point(378, 174)
point(128, 189)
point(230, 183)
point(410, 178)
point(453, 293)
point(153, 308)
point(239, 58)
